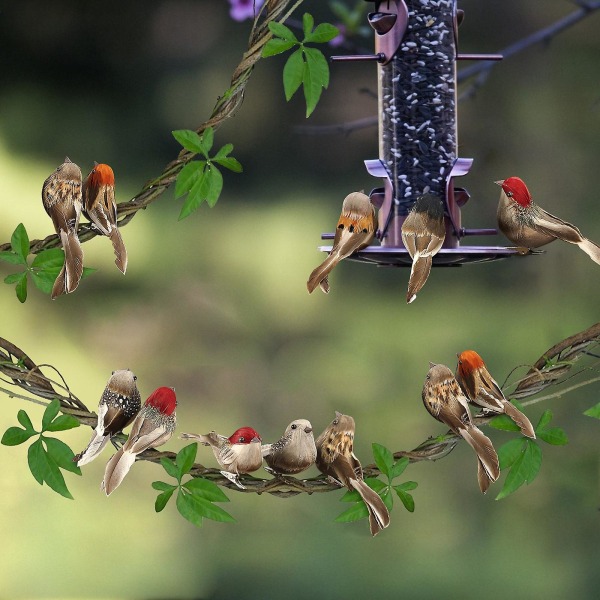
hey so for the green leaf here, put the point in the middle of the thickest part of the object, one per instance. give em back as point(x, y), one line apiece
point(87, 271)
point(354, 513)
point(162, 499)
point(324, 32)
point(405, 498)
point(593, 412)
point(45, 468)
point(544, 420)
point(351, 496)
point(24, 419)
point(555, 436)
point(207, 489)
point(388, 498)
point(293, 72)
point(524, 469)
point(307, 24)
point(223, 152)
point(185, 459)
point(188, 176)
point(49, 414)
point(229, 163)
point(162, 486)
point(383, 459)
point(14, 436)
point(12, 258)
point(315, 77)
point(170, 467)
point(503, 423)
point(216, 185)
point(21, 289)
point(208, 137)
point(276, 46)
point(14, 277)
point(399, 467)
point(280, 30)
point(190, 140)
point(62, 423)
point(61, 454)
point(510, 451)
point(376, 484)
point(44, 280)
point(407, 486)
point(19, 242)
point(196, 195)
point(194, 508)
point(47, 259)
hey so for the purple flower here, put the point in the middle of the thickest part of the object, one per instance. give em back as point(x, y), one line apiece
point(339, 39)
point(244, 9)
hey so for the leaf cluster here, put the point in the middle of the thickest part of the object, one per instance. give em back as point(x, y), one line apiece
point(306, 66)
point(391, 469)
point(201, 180)
point(196, 497)
point(46, 455)
point(43, 270)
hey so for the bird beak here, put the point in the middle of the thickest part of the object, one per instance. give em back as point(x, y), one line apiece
point(254, 440)
point(499, 183)
point(307, 429)
point(431, 365)
point(95, 163)
point(338, 414)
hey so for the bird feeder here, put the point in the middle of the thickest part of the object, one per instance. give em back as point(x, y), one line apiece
point(416, 52)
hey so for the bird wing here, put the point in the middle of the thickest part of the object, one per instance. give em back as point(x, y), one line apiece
point(145, 434)
point(549, 224)
point(100, 207)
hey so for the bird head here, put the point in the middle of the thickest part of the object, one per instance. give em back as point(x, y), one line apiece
point(163, 399)
point(469, 361)
point(244, 435)
point(122, 381)
point(516, 190)
point(299, 426)
point(101, 174)
point(438, 374)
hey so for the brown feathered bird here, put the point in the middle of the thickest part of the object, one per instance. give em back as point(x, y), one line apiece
point(237, 454)
point(61, 195)
point(100, 208)
point(423, 233)
point(294, 451)
point(525, 223)
point(483, 390)
point(355, 231)
point(119, 404)
point(446, 402)
point(336, 459)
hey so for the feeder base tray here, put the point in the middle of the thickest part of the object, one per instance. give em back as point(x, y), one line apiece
point(386, 256)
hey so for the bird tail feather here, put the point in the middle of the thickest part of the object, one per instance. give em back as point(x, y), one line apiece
point(319, 275)
point(116, 469)
point(520, 419)
point(71, 272)
point(419, 273)
point(379, 516)
point(591, 249)
point(94, 448)
point(488, 467)
point(119, 248)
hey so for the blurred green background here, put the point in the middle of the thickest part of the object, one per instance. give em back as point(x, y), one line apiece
point(216, 306)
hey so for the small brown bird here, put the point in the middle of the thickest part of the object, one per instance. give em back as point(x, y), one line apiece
point(483, 390)
point(524, 223)
point(294, 452)
point(153, 427)
point(446, 402)
point(61, 195)
point(423, 233)
point(100, 208)
point(237, 454)
point(355, 230)
point(336, 459)
point(119, 404)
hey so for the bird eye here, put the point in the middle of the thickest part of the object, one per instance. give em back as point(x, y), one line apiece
point(509, 194)
point(351, 229)
point(113, 373)
point(242, 440)
point(135, 377)
point(364, 231)
point(428, 376)
point(341, 226)
point(335, 421)
point(294, 426)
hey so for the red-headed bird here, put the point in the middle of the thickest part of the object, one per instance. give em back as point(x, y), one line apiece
point(483, 390)
point(237, 454)
point(446, 402)
point(423, 233)
point(119, 404)
point(153, 427)
point(523, 222)
point(61, 196)
point(336, 459)
point(355, 230)
point(100, 208)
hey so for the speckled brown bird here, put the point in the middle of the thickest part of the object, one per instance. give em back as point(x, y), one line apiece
point(423, 233)
point(445, 401)
point(119, 404)
point(336, 459)
point(525, 223)
point(294, 451)
point(61, 196)
point(100, 208)
point(237, 454)
point(355, 231)
point(483, 390)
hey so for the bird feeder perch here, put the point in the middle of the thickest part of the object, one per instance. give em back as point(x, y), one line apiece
point(416, 52)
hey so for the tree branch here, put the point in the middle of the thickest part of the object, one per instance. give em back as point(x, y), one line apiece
point(226, 106)
point(552, 368)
